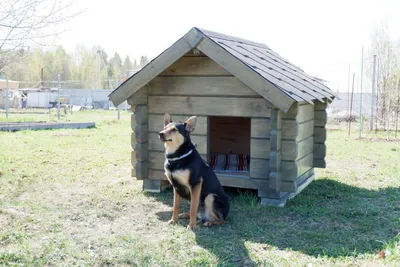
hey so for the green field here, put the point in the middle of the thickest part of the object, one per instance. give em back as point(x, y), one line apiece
point(67, 199)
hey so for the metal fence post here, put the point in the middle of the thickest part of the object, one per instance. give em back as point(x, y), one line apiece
point(58, 101)
point(371, 123)
point(6, 100)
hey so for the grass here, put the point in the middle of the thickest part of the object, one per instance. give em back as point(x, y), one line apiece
point(67, 198)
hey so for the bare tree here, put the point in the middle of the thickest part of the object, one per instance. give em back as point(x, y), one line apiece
point(25, 23)
point(387, 66)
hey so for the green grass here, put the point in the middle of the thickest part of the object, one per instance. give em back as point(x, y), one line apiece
point(66, 198)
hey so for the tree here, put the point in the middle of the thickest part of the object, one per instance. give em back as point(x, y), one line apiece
point(143, 61)
point(135, 65)
point(25, 23)
point(388, 61)
point(127, 65)
point(115, 66)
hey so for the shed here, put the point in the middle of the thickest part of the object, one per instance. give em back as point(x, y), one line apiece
point(261, 119)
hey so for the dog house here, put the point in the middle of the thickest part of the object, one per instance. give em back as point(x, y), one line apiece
point(261, 120)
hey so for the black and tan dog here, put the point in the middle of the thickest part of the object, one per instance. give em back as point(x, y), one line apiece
point(191, 177)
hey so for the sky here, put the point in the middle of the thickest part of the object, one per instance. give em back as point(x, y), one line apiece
point(322, 37)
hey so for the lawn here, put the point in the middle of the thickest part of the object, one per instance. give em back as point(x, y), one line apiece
point(67, 198)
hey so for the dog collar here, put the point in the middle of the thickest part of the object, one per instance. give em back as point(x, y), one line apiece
point(181, 157)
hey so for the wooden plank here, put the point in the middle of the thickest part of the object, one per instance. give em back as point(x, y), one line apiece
point(304, 147)
point(260, 127)
point(275, 181)
point(319, 163)
point(305, 113)
point(157, 159)
point(140, 152)
point(319, 151)
point(157, 175)
point(259, 168)
point(245, 74)
point(321, 118)
point(288, 170)
point(188, 86)
point(319, 134)
point(156, 123)
point(259, 148)
point(155, 143)
point(288, 150)
point(305, 130)
point(304, 164)
point(210, 106)
point(141, 170)
point(141, 133)
point(289, 129)
point(201, 66)
point(139, 97)
point(151, 70)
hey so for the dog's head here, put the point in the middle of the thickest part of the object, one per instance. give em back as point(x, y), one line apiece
point(175, 134)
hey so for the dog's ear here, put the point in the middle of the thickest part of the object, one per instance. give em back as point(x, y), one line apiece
point(191, 123)
point(167, 119)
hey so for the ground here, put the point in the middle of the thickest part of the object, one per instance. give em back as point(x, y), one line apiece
point(67, 198)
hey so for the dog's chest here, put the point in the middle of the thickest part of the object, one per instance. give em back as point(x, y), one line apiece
point(180, 181)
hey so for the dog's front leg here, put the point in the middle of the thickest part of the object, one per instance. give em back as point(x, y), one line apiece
point(175, 211)
point(194, 206)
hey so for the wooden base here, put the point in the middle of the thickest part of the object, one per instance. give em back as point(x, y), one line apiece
point(155, 186)
point(281, 202)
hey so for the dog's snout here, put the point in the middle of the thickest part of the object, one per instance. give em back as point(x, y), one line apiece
point(161, 134)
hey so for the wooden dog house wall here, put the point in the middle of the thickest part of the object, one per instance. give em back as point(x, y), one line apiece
point(285, 139)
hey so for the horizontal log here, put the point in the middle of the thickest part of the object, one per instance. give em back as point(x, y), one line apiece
point(259, 168)
point(260, 127)
point(202, 66)
point(200, 141)
point(260, 148)
point(319, 134)
point(305, 164)
point(189, 86)
point(210, 106)
point(305, 113)
point(319, 163)
point(157, 159)
point(321, 118)
point(304, 147)
point(139, 97)
point(156, 123)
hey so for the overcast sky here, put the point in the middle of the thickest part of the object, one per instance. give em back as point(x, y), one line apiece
point(322, 37)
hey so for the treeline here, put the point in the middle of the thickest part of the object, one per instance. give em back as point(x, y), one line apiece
point(79, 69)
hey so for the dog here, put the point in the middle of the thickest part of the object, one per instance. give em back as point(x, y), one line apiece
point(191, 177)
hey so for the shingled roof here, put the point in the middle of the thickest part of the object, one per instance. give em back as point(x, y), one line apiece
point(283, 83)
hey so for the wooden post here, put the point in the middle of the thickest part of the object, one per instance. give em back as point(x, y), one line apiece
point(275, 148)
point(140, 142)
point(320, 120)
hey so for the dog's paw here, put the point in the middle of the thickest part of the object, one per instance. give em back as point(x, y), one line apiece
point(207, 224)
point(172, 221)
point(191, 227)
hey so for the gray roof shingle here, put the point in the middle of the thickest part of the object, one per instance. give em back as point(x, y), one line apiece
point(289, 78)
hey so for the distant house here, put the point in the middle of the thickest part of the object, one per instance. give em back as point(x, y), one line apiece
point(261, 120)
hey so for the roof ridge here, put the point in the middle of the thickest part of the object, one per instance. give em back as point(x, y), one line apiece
point(232, 38)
